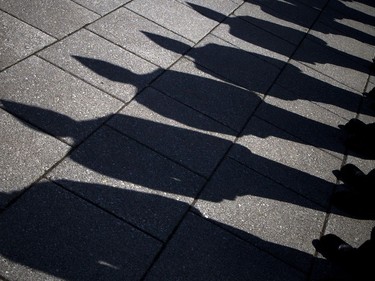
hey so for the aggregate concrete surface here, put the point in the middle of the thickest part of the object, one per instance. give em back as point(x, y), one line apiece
point(178, 139)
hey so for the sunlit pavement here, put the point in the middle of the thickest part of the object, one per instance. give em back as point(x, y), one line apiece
point(179, 140)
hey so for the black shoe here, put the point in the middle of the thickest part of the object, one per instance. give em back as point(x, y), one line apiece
point(336, 250)
point(356, 180)
point(354, 205)
point(353, 127)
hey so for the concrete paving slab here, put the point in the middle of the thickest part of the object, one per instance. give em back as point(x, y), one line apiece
point(293, 11)
point(227, 103)
point(174, 130)
point(51, 234)
point(342, 67)
point(250, 38)
point(241, 67)
point(372, 78)
point(306, 83)
point(130, 181)
point(19, 40)
point(306, 120)
point(102, 64)
point(174, 16)
point(281, 157)
point(265, 212)
point(317, 4)
point(354, 231)
point(365, 165)
point(216, 10)
point(203, 251)
point(54, 101)
point(143, 172)
point(102, 7)
point(129, 30)
point(26, 155)
point(54, 18)
point(358, 51)
point(254, 13)
point(354, 28)
point(357, 10)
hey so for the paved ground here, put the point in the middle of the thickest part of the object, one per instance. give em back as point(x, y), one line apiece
point(178, 140)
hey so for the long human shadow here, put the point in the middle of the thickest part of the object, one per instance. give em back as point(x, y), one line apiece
point(52, 231)
point(251, 72)
point(350, 61)
point(342, 12)
point(212, 96)
point(108, 153)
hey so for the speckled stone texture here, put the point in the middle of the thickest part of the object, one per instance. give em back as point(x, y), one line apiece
point(102, 7)
point(174, 16)
point(18, 40)
point(236, 65)
point(225, 102)
point(282, 157)
point(129, 180)
point(132, 32)
point(202, 251)
point(175, 131)
point(26, 155)
point(179, 139)
point(54, 101)
point(260, 210)
point(56, 18)
point(52, 234)
point(102, 64)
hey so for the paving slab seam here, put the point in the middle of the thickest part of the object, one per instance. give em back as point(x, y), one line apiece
point(322, 22)
point(191, 207)
point(28, 24)
point(27, 123)
point(91, 10)
point(90, 202)
point(71, 150)
point(315, 102)
point(345, 155)
point(140, 15)
point(277, 182)
point(154, 150)
point(57, 40)
point(333, 78)
point(27, 188)
point(340, 11)
point(84, 81)
point(302, 140)
point(194, 109)
point(211, 221)
point(324, 227)
point(124, 47)
point(192, 212)
point(187, 5)
point(252, 54)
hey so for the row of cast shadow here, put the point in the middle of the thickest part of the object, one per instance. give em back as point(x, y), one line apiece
point(357, 198)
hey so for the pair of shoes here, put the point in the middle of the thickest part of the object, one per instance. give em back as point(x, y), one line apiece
point(336, 250)
point(356, 180)
point(357, 262)
point(358, 198)
point(354, 205)
point(361, 137)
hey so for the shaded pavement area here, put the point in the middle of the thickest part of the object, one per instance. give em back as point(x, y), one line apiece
point(179, 139)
